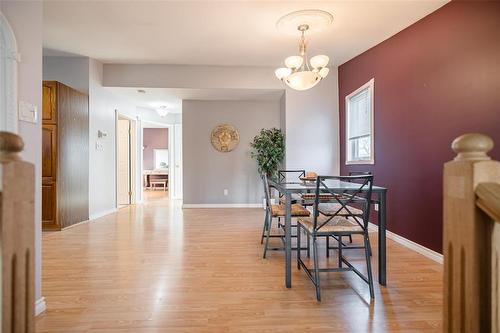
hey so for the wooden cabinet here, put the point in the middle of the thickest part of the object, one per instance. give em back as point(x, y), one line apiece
point(49, 102)
point(49, 152)
point(65, 156)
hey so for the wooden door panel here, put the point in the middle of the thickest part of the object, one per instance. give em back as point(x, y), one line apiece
point(49, 152)
point(49, 102)
point(49, 205)
point(73, 156)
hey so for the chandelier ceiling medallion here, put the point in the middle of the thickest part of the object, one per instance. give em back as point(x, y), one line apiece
point(301, 73)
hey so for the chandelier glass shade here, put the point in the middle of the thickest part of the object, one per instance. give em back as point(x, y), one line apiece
point(301, 73)
point(162, 111)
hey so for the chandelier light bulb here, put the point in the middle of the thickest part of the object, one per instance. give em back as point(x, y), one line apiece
point(294, 62)
point(323, 72)
point(319, 61)
point(282, 72)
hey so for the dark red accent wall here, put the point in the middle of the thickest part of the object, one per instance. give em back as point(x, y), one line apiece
point(435, 80)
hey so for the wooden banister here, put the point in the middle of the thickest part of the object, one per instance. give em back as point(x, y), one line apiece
point(17, 189)
point(488, 199)
point(470, 237)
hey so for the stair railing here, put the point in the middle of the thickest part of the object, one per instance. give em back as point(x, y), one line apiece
point(471, 237)
point(17, 209)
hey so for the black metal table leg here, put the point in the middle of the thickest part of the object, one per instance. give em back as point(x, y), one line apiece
point(382, 219)
point(288, 240)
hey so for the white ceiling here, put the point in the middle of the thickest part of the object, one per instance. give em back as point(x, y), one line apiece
point(172, 98)
point(218, 33)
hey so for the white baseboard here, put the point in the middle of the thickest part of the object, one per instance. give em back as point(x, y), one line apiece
point(103, 213)
point(433, 255)
point(40, 306)
point(254, 205)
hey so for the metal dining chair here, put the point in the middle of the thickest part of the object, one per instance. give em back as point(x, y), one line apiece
point(350, 218)
point(330, 208)
point(291, 176)
point(278, 211)
point(325, 209)
point(288, 176)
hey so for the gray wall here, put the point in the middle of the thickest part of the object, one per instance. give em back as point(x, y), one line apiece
point(25, 18)
point(190, 76)
point(72, 71)
point(207, 172)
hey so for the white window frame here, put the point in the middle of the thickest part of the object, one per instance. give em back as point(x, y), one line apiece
point(371, 87)
point(157, 151)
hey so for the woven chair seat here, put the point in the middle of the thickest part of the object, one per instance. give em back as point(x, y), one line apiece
point(336, 224)
point(297, 210)
point(331, 208)
point(322, 196)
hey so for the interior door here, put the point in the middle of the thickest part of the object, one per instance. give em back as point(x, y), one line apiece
point(123, 138)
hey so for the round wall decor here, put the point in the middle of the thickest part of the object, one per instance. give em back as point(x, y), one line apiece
point(224, 138)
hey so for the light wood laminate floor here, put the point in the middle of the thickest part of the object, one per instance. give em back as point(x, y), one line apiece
point(158, 268)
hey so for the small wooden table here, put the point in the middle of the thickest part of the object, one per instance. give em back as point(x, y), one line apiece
point(155, 177)
point(153, 184)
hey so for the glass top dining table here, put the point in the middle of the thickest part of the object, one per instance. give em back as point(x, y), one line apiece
point(286, 189)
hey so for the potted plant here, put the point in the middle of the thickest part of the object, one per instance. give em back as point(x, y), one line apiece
point(268, 150)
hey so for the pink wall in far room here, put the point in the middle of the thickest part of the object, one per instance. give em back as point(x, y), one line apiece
point(153, 138)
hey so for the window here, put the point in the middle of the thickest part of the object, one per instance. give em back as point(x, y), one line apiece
point(359, 125)
point(161, 158)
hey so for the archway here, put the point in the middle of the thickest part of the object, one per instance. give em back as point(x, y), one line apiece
point(9, 57)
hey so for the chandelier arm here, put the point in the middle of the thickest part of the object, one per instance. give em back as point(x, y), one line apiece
point(302, 49)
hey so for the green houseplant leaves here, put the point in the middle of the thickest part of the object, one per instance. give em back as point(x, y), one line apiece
point(268, 150)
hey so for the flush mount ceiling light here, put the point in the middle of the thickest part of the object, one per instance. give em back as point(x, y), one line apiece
point(162, 111)
point(300, 72)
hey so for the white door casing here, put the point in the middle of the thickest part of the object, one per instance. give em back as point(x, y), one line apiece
point(123, 178)
point(177, 184)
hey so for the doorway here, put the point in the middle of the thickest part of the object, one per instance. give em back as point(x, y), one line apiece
point(126, 161)
point(156, 161)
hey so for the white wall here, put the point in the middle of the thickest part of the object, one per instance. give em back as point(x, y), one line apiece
point(72, 71)
point(25, 18)
point(312, 127)
point(103, 105)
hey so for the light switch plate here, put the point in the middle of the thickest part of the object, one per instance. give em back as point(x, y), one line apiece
point(28, 112)
point(99, 146)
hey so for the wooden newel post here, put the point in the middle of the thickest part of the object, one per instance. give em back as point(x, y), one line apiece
point(467, 236)
point(17, 209)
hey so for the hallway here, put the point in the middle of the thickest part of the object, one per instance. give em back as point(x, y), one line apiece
point(158, 268)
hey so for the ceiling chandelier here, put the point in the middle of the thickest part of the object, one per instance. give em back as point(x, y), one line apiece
point(162, 111)
point(300, 72)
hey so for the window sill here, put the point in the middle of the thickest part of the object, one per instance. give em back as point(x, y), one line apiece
point(371, 162)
